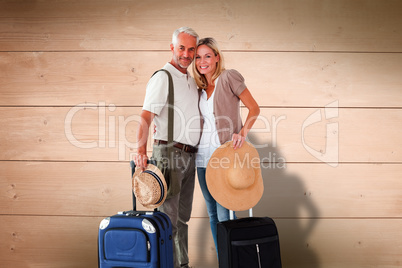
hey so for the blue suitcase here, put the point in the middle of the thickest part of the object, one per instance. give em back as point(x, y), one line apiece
point(134, 239)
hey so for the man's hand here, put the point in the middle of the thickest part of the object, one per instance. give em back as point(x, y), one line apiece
point(140, 161)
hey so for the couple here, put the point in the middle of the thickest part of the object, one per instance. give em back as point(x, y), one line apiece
point(212, 101)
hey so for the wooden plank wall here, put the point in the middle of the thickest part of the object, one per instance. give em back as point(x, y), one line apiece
point(325, 73)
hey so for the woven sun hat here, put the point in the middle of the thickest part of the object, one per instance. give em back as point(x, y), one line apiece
point(234, 176)
point(149, 187)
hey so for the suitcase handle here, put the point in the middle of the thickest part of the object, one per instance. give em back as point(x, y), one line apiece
point(135, 213)
point(231, 213)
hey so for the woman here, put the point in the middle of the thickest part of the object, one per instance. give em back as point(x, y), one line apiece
point(221, 92)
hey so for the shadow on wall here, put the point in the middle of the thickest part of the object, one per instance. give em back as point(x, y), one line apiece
point(285, 199)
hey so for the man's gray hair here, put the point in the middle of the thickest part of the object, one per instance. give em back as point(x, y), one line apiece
point(186, 30)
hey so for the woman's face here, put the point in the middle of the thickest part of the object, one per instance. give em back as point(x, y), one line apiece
point(205, 60)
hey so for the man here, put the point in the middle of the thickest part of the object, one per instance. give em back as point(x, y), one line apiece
point(186, 135)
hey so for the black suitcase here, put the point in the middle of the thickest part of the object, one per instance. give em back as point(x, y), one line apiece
point(251, 242)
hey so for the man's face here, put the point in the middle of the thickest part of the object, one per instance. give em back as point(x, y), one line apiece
point(183, 52)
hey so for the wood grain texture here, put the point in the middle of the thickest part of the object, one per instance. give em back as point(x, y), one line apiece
point(70, 79)
point(290, 189)
point(65, 188)
point(43, 241)
point(76, 134)
point(359, 242)
point(108, 133)
point(326, 75)
point(359, 26)
point(70, 242)
point(329, 134)
point(275, 79)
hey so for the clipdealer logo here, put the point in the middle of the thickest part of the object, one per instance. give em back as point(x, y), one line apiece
point(330, 155)
point(112, 133)
point(109, 131)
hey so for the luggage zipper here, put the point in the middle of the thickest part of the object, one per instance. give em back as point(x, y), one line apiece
point(258, 254)
point(256, 242)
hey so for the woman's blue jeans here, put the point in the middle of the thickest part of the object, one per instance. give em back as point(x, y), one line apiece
point(216, 212)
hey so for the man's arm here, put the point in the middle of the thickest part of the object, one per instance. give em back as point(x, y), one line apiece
point(143, 130)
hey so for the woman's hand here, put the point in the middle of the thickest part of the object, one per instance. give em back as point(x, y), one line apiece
point(238, 140)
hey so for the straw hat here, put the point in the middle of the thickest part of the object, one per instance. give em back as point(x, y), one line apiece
point(149, 187)
point(234, 176)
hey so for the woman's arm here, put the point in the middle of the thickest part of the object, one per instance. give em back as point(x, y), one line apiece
point(253, 112)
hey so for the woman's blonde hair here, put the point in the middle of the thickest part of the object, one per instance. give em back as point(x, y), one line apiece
point(200, 79)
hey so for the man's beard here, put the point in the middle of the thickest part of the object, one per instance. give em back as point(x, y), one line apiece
point(181, 65)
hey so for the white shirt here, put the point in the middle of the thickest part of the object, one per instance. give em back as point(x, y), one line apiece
point(209, 138)
point(186, 116)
